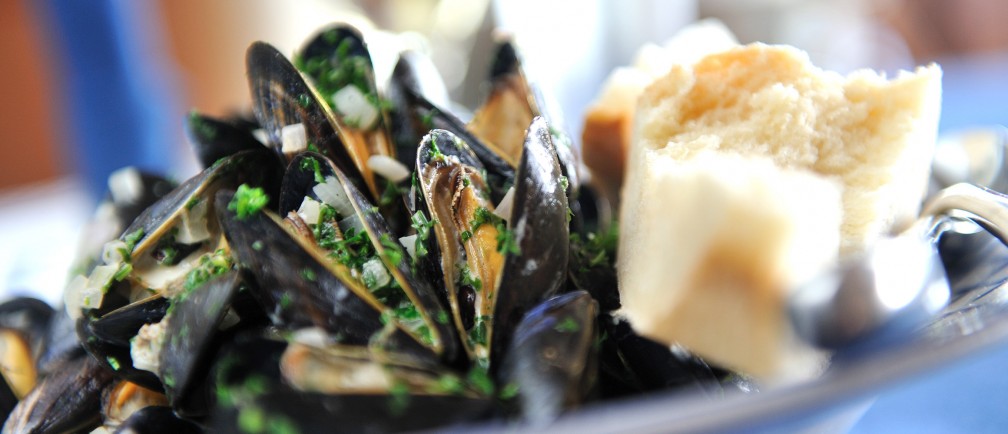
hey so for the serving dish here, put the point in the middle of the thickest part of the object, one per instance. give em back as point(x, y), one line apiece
point(975, 321)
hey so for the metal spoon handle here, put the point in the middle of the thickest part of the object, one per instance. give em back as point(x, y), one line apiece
point(987, 207)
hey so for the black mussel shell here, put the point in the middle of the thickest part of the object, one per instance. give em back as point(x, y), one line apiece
point(552, 359)
point(157, 420)
point(538, 225)
point(68, 400)
point(213, 139)
point(301, 288)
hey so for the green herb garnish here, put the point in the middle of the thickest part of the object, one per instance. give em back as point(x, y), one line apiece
point(248, 201)
point(506, 242)
point(567, 325)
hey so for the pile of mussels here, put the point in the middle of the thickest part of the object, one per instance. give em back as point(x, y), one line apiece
point(378, 265)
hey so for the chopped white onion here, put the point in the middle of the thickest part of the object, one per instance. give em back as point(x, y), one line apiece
point(73, 296)
point(309, 211)
point(503, 209)
point(374, 274)
point(311, 336)
point(355, 107)
point(332, 194)
point(125, 185)
point(193, 227)
point(352, 222)
point(261, 136)
point(101, 277)
point(114, 252)
point(389, 168)
point(293, 139)
point(409, 243)
point(145, 347)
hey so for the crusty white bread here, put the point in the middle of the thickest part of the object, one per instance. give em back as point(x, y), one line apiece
point(875, 135)
point(712, 236)
point(717, 239)
point(608, 127)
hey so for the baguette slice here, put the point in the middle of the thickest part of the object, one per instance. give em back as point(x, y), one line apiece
point(750, 171)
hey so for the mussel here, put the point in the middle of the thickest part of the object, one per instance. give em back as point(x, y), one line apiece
point(368, 263)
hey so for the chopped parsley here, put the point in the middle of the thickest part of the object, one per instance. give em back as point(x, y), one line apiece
point(398, 398)
point(124, 270)
point(478, 334)
point(423, 226)
point(509, 391)
point(467, 278)
point(481, 216)
point(133, 238)
point(392, 250)
point(308, 274)
point(441, 317)
point(312, 164)
point(596, 248)
point(113, 362)
point(436, 153)
point(427, 119)
point(167, 250)
point(390, 194)
point(567, 325)
point(209, 266)
point(449, 383)
point(248, 201)
point(480, 379)
point(506, 242)
point(202, 129)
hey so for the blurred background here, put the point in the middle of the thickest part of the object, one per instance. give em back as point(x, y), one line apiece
point(88, 87)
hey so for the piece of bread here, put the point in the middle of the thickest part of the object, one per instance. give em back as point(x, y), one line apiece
point(608, 127)
point(717, 239)
point(683, 279)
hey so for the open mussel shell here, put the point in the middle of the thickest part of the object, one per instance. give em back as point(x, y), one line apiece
point(23, 324)
point(213, 139)
point(107, 339)
point(191, 328)
point(123, 398)
point(417, 73)
point(30, 317)
point(281, 97)
point(552, 359)
point(419, 291)
point(339, 64)
point(255, 168)
point(513, 102)
point(508, 110)
point(139, 296)
point(463, 251)
point(538, 225)
point(251, 386)
point(68, 400)
point(427, 118)
point(299, 287)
